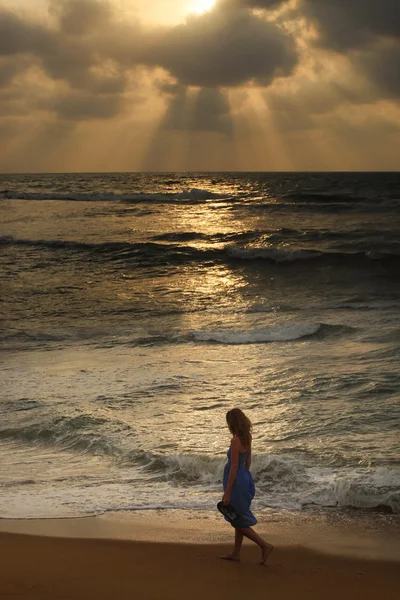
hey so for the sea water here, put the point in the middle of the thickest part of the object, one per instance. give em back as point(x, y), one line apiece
point(136, 309)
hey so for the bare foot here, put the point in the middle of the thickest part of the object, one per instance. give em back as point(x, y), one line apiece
point(266, 551)
point(232, 556)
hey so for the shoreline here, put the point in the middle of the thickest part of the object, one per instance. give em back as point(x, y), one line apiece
point(367, 537)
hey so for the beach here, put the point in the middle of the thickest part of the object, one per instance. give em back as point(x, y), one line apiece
point(46, 563)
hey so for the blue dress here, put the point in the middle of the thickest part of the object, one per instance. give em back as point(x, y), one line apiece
point(242, 492)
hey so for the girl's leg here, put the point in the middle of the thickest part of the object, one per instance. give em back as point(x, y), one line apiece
point(235, 555)
point(238, 542)
point(266, 548)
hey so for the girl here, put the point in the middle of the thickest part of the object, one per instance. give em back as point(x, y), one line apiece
point(239, 485)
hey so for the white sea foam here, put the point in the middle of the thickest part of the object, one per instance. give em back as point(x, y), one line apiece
point(278, 333)
point(194, 483)
point(369, 489)
point(200, 194)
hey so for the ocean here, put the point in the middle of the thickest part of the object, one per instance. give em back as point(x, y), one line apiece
point(136, 309)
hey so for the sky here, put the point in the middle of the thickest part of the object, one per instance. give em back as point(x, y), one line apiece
point(199, 85)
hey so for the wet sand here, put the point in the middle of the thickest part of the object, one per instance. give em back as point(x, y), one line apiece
point(70, 559)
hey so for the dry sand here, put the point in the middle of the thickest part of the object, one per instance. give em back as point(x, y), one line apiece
point(68, 568)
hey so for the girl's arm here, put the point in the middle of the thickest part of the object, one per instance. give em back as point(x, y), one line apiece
point(234, 467)
point(248, 459)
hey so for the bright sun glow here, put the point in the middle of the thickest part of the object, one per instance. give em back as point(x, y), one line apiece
point(201, 6)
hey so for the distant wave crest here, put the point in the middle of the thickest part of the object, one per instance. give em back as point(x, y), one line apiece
point(158, 253)
point(194, 195)
point(269, 253)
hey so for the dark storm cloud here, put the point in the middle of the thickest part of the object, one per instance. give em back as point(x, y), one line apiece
point(59, 58)
point(18, 36)
point(346, 24)
point(95, 57)
point(225, 47)
point(267, 4)
point(88, 47)
point(261, 4)
point(76, 49)
point(69, 52)
point(228, 46)
point(368, 31)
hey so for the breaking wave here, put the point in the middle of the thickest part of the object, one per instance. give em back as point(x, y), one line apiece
point(285, 482)
point(282, 481)
point(281, 333)
point(23, 340)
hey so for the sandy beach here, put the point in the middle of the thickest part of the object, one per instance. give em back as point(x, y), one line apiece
point(84, 565)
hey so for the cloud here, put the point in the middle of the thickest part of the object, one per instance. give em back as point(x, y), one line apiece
point(95, 58)
point(19, 37)
point(69, 53)
point(381, 65)
point(10, 67)
point(348, 24)
point(260, 4)
point(59, 58)
point(225, 47)
point(368, 31)
point(77, 48)
point(81, 17)
point(318, 63)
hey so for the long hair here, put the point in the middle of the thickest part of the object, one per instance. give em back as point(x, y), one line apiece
point(239, 425)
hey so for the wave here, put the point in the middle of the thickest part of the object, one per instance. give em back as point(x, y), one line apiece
point(377, 489)
point(341, 198)
point(274, 333)
point(359, 304)
point(83, 433)
point(25, 336)
point(324, 207)
point(280, 333)
point(327, 197)
point(285, 482)
point(287, 256)
point(148, 253)
point(269, 243)
point(193, 195)
point(273, 254)
point(241, 200)
point(319, 486)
